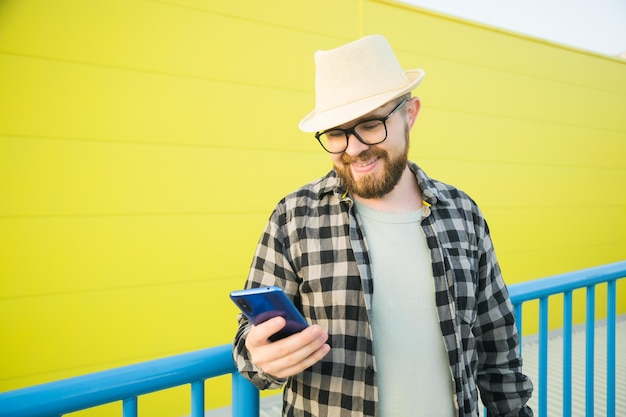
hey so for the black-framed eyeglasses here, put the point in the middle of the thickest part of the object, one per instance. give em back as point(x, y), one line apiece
point(369, 132)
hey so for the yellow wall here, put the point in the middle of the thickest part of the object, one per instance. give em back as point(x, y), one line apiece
point(144, 143)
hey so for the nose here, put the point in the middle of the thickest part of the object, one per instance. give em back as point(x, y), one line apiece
point(355, 146)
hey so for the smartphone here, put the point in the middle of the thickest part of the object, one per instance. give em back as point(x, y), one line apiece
point(263, 303)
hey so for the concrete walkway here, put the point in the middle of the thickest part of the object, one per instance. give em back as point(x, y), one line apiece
point(530, 352)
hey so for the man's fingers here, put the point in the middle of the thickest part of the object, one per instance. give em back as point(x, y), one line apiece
point(293, 354)
point(293, 366)
point(260, 334)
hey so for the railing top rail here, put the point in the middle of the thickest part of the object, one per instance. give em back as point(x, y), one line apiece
point(73, 394)
point(569, 281)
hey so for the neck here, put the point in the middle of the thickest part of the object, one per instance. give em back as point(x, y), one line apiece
point(405, 197)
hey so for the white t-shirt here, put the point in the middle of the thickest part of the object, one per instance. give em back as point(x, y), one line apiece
point(413, 373)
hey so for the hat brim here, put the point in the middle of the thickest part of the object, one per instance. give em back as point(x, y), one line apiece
point(318, 121)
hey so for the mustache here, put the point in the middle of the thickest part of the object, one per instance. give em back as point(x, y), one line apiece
point(364, 156)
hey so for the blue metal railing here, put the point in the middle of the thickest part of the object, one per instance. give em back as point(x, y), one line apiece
point(565, 284)
point(127, 383)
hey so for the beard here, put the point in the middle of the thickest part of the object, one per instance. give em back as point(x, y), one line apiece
point(372, 186)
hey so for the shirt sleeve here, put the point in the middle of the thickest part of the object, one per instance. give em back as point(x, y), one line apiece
point(270, 266)
point(504, 389)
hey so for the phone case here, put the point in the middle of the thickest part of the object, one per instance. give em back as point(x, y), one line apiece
point(263, 303)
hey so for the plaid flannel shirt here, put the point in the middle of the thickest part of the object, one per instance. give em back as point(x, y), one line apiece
point(314, 248)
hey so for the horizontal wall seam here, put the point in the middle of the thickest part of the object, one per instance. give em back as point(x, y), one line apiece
point(152, 72)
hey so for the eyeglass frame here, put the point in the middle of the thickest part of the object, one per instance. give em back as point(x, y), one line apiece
point(352, 130)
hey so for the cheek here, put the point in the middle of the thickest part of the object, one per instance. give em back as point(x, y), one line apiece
point(398, 142)
point(336, 158)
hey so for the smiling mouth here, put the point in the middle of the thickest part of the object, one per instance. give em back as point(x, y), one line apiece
point(365, 163)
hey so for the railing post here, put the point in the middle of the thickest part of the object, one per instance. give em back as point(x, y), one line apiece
point(197, 398)
point(129, 407)
point(589, 350)
point(611, 306)
point(245, 397)
point(543, 357)
point(567, 353)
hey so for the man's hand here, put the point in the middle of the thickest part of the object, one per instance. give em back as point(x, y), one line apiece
point(289, 356)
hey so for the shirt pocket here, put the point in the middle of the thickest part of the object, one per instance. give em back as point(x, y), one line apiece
point(461, 271)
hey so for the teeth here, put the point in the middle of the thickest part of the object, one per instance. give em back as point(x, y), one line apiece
point(366, 163)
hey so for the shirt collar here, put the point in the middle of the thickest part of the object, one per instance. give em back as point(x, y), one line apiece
point(430, 193)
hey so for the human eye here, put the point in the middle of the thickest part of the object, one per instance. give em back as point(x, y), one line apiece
point(370, 125)
point(334, 134)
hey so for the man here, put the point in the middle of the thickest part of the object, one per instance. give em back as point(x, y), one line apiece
point(395, 271)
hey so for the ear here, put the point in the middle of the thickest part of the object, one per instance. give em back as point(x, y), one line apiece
point(412, 109)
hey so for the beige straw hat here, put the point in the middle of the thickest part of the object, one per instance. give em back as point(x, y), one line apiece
point(355, 79)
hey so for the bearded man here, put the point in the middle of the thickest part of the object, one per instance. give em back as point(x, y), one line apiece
point(394, 271)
